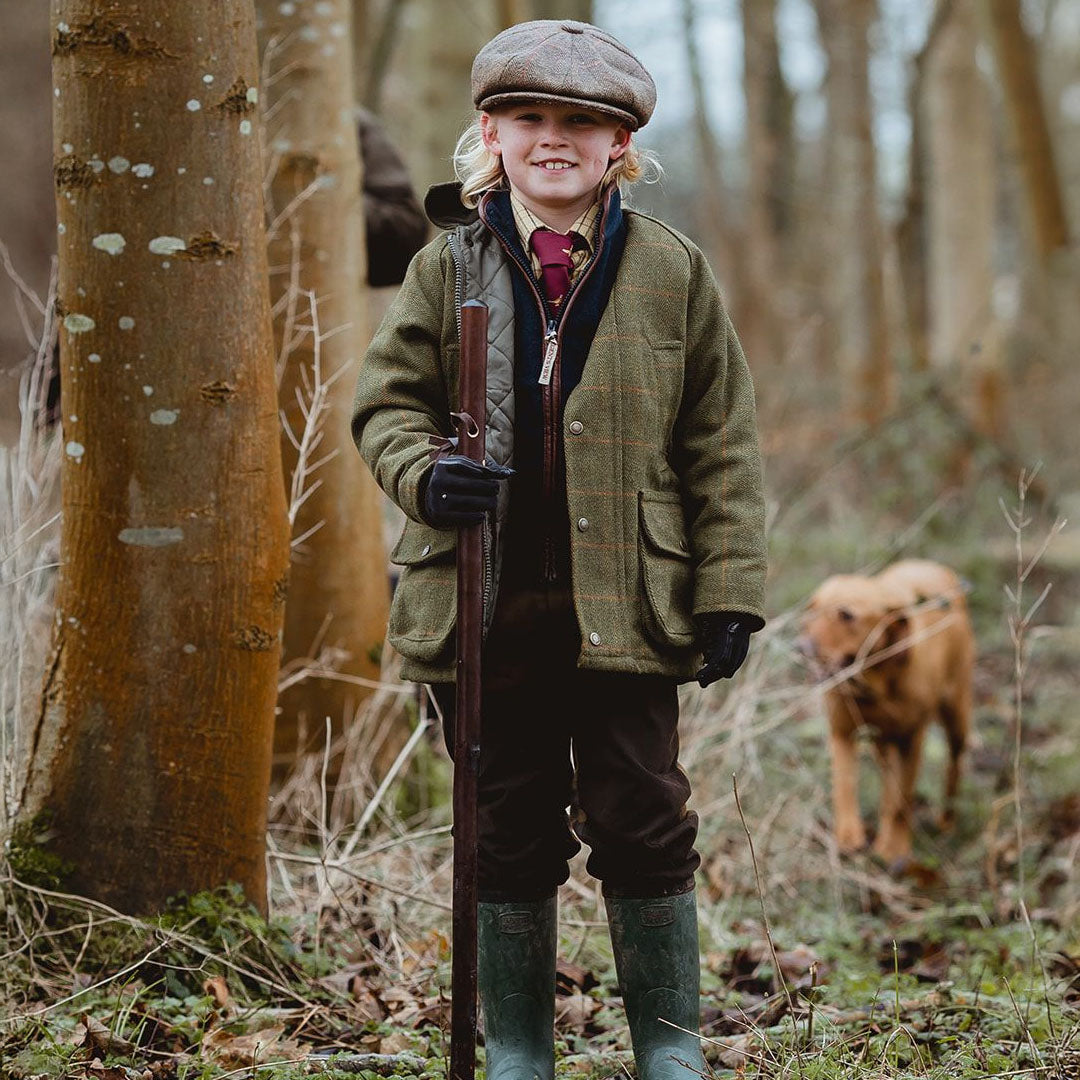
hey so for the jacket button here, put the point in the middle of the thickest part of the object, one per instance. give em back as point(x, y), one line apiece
point(594, 638)
point(576, 427)
point(426, 551)
point(582, 524)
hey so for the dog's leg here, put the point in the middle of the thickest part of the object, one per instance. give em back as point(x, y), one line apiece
point(847, 823)
point(888, 757)
point(899, 759)
point(956, 719)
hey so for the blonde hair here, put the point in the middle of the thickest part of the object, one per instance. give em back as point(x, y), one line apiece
point(480, 170)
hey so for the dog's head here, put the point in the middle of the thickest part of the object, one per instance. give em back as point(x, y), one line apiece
point(850, 618)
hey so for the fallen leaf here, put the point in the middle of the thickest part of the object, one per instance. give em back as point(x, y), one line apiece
point(218, 989)
point(100, 1039)
point(717, 873)
point(96, 1071)
point(168, 1069)
point(394, 1043)
point(934, 965)
point(733, 1051)
point(342, 980)
point(802, 967)
point(395, 996)
point(253, 1048)
point(570, 977)
point(368, 1005)
point(746, 969)
point(432, 1010)
point(573, 1013)
point(426, 952)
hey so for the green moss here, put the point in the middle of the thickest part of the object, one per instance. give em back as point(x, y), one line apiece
point(28, 856)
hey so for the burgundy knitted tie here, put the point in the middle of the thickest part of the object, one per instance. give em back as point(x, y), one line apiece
point(553, 250)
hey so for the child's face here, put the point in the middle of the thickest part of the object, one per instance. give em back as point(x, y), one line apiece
point(554, 155)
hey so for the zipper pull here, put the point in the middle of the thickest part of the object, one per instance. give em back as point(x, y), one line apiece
point(551, 350)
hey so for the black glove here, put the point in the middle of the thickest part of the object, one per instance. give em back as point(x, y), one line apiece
point(460, 492)
point(724, 638)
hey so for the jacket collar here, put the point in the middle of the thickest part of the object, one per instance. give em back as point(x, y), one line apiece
point(444, 208)
point(497, 213)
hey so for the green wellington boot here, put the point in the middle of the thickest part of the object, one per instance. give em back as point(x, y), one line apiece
point(656, 955)
point(516, 975)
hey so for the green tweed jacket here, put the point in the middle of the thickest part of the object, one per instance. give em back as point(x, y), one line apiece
point(660, 441)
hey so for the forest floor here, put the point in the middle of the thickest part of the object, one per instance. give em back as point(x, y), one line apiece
point(936, 971)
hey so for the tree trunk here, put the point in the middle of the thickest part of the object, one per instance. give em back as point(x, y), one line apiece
point(510, 12)
point(152, 748)
point(339, 590)
point(27, 224)
point(855, 289)
point(433, 101)
point(716, 238)
point(363, 24)
point(911, 229)
point(1016, 66)
point(768, 153)
point(581, 10)
point(960, 203)
point(377, 52)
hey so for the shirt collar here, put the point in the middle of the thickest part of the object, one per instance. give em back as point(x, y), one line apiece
point(527, 223)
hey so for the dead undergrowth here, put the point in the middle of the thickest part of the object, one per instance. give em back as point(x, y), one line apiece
point(931, 972)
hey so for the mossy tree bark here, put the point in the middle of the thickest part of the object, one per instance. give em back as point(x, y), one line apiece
point(339, 589)
point(152, 746)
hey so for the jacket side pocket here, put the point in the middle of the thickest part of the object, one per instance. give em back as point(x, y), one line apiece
point(666, 568)
point(424, 607)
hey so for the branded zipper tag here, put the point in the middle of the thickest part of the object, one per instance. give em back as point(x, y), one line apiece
point(550, 353)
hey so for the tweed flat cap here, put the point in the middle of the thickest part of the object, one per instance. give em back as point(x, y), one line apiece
point(560, 60)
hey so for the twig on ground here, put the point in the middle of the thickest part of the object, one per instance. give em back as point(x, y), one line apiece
point(765, 922)
point(1019, 621)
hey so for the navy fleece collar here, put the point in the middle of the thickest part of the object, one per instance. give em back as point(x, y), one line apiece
point(499, 215)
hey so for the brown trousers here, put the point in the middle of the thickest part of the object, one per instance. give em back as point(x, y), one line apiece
point(605, 744)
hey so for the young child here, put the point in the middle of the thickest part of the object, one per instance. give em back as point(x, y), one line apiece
point(627, 545)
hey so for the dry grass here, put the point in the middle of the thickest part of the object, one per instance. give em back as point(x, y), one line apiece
point(29, 544)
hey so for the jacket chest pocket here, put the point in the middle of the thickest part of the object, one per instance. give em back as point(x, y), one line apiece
point(667, 358)
point(666, 569)
point(425, 601)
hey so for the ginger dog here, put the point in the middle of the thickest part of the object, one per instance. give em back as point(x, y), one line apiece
point(899, 652)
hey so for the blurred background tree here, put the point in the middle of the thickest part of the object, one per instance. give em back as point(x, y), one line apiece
point(335, 615)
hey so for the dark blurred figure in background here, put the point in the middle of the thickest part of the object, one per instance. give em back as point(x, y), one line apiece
point(395, 225)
